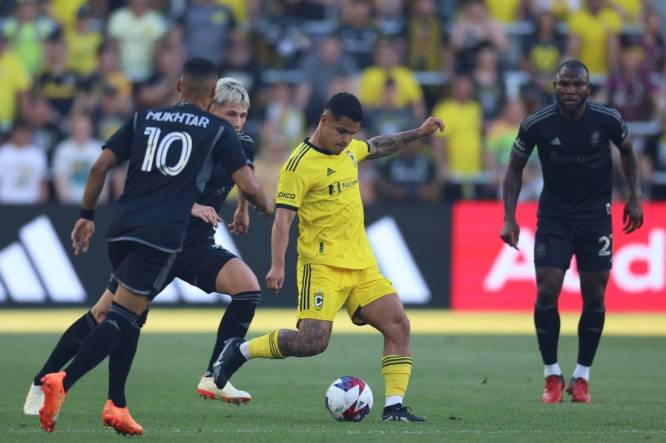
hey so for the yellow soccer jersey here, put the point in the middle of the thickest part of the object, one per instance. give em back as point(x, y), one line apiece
point(324, 189)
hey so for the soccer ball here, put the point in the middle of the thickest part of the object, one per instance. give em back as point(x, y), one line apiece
point(349, 399)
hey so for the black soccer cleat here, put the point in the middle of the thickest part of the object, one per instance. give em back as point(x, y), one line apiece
point(228, 362)
point(398, 412)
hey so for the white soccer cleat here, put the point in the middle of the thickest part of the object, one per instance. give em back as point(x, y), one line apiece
point(229, 394)
point(34, 400)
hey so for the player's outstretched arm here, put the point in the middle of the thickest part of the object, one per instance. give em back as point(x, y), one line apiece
point(632, 217)
point(279, 242)
point(85, 225)
point(384, 145)
point(249, 186)
point(513, 182)
point(241, 221)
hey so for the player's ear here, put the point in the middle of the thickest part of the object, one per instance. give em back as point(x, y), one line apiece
point(179, 85)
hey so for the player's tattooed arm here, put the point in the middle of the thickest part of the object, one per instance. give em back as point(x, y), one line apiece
point(384, 145)
point(311, 338)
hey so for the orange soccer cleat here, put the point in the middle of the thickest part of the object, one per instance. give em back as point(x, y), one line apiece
point(552, 392)
point(120, 419)
point(579, 390)
point(54, 395)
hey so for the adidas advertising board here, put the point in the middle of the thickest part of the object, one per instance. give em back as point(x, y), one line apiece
point(37, 267)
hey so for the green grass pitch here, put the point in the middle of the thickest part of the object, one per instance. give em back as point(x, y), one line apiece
point(471, 388)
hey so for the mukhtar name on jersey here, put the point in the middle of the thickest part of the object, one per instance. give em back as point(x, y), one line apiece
point(179, 117)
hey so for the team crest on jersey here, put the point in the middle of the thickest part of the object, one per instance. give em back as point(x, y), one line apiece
point(595, 138)
point(319, 299)
point(351, 157)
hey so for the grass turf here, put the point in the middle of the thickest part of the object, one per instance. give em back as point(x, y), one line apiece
point(471, 388)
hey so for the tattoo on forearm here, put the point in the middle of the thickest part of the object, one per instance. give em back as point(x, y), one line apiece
point(311, 339)
point(384, 145)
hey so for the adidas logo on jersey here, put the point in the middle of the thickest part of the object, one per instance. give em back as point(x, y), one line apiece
point(556, 142)
point(329, 171)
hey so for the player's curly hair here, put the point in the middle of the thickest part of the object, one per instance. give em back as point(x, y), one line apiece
point(229, 90)
point(344, 104)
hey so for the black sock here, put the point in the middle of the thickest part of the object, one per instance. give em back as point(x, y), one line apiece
point(235, 322)
point(120, 362)
point(100, 343)
point(590, 326)
point(68, 345)
point(547, 324)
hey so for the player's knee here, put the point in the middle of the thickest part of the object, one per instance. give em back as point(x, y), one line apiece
point(313, 345)
point(547, 294)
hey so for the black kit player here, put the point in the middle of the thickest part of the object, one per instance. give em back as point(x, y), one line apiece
point(573, 137)
point(172, 153)
point(202, 263)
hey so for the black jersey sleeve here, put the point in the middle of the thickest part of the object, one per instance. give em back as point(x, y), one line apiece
point(228, 151)
point(248, 148)
point(618, 129)
point(121, 140)
point(524, 143)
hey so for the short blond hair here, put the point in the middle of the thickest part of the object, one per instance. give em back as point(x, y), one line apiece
point(230, 91)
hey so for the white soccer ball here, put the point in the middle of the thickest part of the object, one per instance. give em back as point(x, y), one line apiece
point(349, 399)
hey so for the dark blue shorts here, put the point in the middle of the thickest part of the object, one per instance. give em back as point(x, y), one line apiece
point(141, 269)
point(197, 266)
point(556, 242)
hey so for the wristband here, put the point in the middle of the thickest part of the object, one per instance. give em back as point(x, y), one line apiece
point(88, 214)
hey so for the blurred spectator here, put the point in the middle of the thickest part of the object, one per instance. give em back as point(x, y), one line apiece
point(388, 118)
point(357, 31)
point(408, 176)
point(65, 11)
point(72, 160)
point(56, 82)
point(499, 140)
point(206, 26)
point(472, 30)
point(24, 170)
point(390, 17)
point(45, 124)
point(15, 83)
point(26, 31)
point(489, 83)
point(631, 90)
point(244, 11)
point(270, 159)
point(459, 149)
point(425, 37)
point(320, 68)
point(508, 11)
point(387, 67)
point(283, 115)
point(160, 88)
point(542, 52)
point(593, 37)
point(630, 10)
point(652, 42)
point(83, 43)
point(137, 29)
point(653, 160)
point(242, 65)
point(110, 113)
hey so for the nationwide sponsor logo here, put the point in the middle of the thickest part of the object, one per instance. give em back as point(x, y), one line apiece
point(36, 268)
point(287, 195)
point(341, 186)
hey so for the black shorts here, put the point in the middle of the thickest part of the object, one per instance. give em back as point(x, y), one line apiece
point(197, 266)
point(557, 241)
point(142, 269)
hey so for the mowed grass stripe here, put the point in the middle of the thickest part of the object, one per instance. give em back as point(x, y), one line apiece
point(423, 322)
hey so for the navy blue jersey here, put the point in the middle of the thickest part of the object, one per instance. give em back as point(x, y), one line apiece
point(215, 194)
point(172, 152)
point(575, 159)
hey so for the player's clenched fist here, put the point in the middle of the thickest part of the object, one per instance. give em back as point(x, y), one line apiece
point(275, 278)
point(431, 125)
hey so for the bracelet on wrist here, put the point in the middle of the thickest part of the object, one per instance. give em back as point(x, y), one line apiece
point(88, 214)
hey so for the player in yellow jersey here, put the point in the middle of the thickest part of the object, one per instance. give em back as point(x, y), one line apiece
point(336, 266)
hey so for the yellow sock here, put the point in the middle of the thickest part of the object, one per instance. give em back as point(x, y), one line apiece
point(396, 370)
point(265, 346)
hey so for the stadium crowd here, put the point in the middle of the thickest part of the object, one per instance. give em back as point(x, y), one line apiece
point(73, 71)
